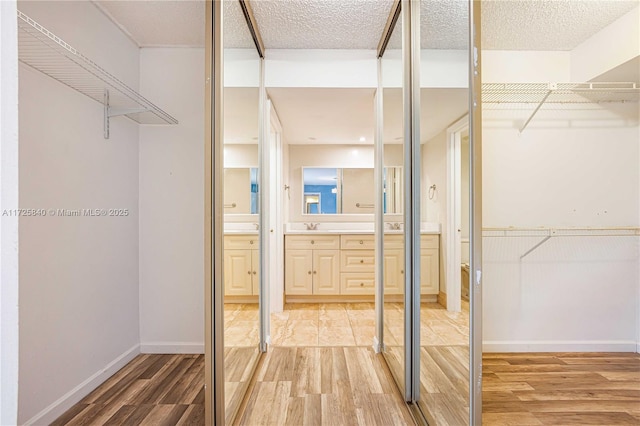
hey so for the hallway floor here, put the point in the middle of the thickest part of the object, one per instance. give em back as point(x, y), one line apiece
point(350, 386)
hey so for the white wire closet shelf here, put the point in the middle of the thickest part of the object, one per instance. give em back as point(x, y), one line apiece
point(44, 51)
point(535, 95)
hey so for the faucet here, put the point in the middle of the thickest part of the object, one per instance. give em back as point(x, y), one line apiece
point(257, 226)
point(395, 226)
point(311, 226)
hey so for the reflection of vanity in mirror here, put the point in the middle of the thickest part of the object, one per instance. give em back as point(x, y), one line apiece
point(241, 190)
point(349, 191)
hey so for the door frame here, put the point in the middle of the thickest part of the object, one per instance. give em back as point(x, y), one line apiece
point(453, 238)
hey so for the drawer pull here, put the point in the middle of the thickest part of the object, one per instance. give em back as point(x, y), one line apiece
point(361, 260)
point(250, 241)
point(361, 242)
point(361, 284)
point(313, 242)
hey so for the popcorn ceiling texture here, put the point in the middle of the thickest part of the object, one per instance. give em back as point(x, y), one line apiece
point(321, 24)
point(358, 24)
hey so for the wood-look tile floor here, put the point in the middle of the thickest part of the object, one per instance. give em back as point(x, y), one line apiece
point(561, 389)
point(324, 386)
point(151, 390)
point(349, 386)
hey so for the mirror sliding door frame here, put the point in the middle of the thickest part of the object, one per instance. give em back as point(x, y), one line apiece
point(411, 109)
point(214, 403)
point(410, 10)
point(475, 212)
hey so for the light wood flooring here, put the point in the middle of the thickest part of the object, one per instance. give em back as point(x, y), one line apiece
point(561, 389)
point(350, 386)
point(324, 386)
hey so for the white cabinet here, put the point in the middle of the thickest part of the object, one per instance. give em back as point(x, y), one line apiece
point(312, 265)
point(331, 265)
point(241, 265)
point(429, 264)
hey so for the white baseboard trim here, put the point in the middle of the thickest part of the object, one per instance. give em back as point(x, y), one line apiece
point(68, 400)
point(561, 346)
point(172, 348)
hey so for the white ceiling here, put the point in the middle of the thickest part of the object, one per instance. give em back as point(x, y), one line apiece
point(358, 24)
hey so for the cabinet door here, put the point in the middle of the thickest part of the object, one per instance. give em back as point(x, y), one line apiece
point(326, 272)
point(255, 271)
point(237, 273)
point(429, 271)
point(393, 271)
point(298, 265)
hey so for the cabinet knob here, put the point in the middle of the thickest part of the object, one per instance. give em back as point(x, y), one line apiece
point(402, 271)
point(309, 272)
point(315, 272)
point(248, 272)
point(361, 260)
point(254, 272)
point(313, 242)
point(250, 241)
point(361, 284)
point(361, 242)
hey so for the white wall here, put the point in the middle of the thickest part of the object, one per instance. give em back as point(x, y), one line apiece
point(571, 167)
point(8, 224)
point(616, 44)
point(172, 204)
point(78, 275)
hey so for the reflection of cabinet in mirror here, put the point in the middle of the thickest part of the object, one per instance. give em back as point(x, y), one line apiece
point(348, 190)
point(241, 266)
point(241, 190)
point(343, 266)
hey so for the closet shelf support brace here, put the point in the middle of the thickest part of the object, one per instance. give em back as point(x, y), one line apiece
point(552, 87)
point(115, 112)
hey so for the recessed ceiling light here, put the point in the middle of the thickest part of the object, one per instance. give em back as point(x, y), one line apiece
point(362, 139)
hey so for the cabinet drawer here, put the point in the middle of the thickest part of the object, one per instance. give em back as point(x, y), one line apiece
point(357, 242)
point(429, 241)
point(312, 242)
point(241, 242)
point(357, 260)
point(357, 283)
point(393, 241)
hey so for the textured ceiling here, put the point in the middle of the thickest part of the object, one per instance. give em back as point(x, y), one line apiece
point(546, 24)
point(321, 24)
point(358, 24)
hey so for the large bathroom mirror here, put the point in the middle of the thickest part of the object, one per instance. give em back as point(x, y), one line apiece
point(335, 190)
point(241, 190)
point(241, 246)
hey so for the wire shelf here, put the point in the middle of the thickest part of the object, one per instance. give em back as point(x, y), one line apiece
point(563, 93)
point(44, 51)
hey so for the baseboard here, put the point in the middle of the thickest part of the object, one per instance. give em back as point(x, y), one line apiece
point(172, 348)
point(68, 400)
point(561, 346)
point(442, 299)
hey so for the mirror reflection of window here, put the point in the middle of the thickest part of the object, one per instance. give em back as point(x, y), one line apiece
point(254, 190)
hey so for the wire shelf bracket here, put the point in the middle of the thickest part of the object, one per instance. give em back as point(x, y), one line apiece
point(43, 51)
point(558, 93)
